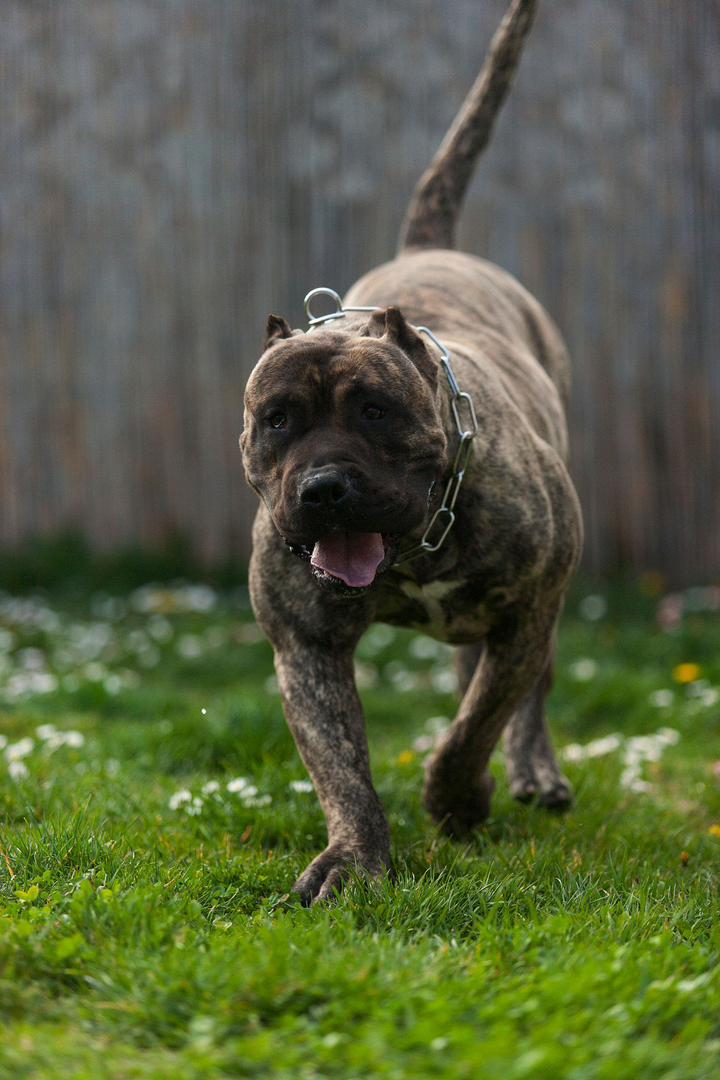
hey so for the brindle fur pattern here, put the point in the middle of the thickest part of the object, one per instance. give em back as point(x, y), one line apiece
point(496, 586)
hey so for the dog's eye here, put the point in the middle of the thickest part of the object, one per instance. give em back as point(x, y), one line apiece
point(373, 412)
point(278, 420)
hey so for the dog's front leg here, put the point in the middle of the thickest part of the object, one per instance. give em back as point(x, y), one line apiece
point(326, 718)
point(458, 786)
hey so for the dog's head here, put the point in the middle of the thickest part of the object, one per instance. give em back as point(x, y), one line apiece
point(343, 442)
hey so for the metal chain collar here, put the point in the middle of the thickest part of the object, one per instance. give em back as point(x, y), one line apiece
point(461, 402)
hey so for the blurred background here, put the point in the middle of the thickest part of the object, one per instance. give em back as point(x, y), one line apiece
point(173, 170)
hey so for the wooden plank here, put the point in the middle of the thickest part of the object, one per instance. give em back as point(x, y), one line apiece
point(171, 171)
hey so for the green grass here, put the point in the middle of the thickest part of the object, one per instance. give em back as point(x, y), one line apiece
point(137, 940)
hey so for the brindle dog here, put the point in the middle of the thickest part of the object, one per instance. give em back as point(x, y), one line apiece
point(349, 438)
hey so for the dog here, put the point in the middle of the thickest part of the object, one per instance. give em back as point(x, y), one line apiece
point(409, 452)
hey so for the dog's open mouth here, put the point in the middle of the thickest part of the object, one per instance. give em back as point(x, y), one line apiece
point(349, 561)
point(351, 557)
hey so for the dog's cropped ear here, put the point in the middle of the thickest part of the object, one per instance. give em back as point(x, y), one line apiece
point(276, 329)
point(399, 331)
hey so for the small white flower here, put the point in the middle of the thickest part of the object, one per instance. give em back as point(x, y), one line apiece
point(600, 747)
point(76, 739)
point(661, 699)
point(574, 752)
point(195, 807)
point(632, 781)
point(584, 669)
point(190, 646)
point(179, 798)
point(301, 786)
point(20, 749)
point(95, 672)
point(425, 648)
point(423, 743)
point(240, 783)
point(438, 724)
point(401, 678)
point(3, 742)
point(160, 628)
point(261, 800)
point(46, 731)
point(18, 770)
point(593, 608)
point(443, 680)
point(210, 788)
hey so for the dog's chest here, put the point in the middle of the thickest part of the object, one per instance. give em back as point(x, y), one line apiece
point(448, 609)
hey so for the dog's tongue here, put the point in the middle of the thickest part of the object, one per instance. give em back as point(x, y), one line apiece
point(351, 556)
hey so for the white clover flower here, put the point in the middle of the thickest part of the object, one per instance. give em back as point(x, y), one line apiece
point(401, 678)
point(584, 669)
point(149, 657)
point(190, 647)
point(261, 800)
point(425, 648)
point(438, 724)
point(301, 786)
point(240, 783)
point(46, 731)
point(31, 659)
point(423, 743)
point(605, 745)
point(210, 788)
point(20, 749)
point(661, 699)
point(95, 672)
point(18, 770)
point(159, 628)
point(632, 781)
point(179, 798)
point(443, 680)
point(195, 807)
point(593, 608)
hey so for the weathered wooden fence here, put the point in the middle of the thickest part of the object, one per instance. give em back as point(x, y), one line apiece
point(171, 170)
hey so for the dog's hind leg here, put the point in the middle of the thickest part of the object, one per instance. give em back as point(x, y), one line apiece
point(458, 785)
point(532, 768)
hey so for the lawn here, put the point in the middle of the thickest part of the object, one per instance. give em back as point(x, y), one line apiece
point(154, 814)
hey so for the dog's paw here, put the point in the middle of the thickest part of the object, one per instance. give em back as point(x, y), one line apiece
point(326, 875)
point(550, 790)
point(458, 808)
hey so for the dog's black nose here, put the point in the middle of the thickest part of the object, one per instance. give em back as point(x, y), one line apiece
point(325, 489)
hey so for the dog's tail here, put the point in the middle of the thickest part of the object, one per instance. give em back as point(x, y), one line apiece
point(435, 203)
